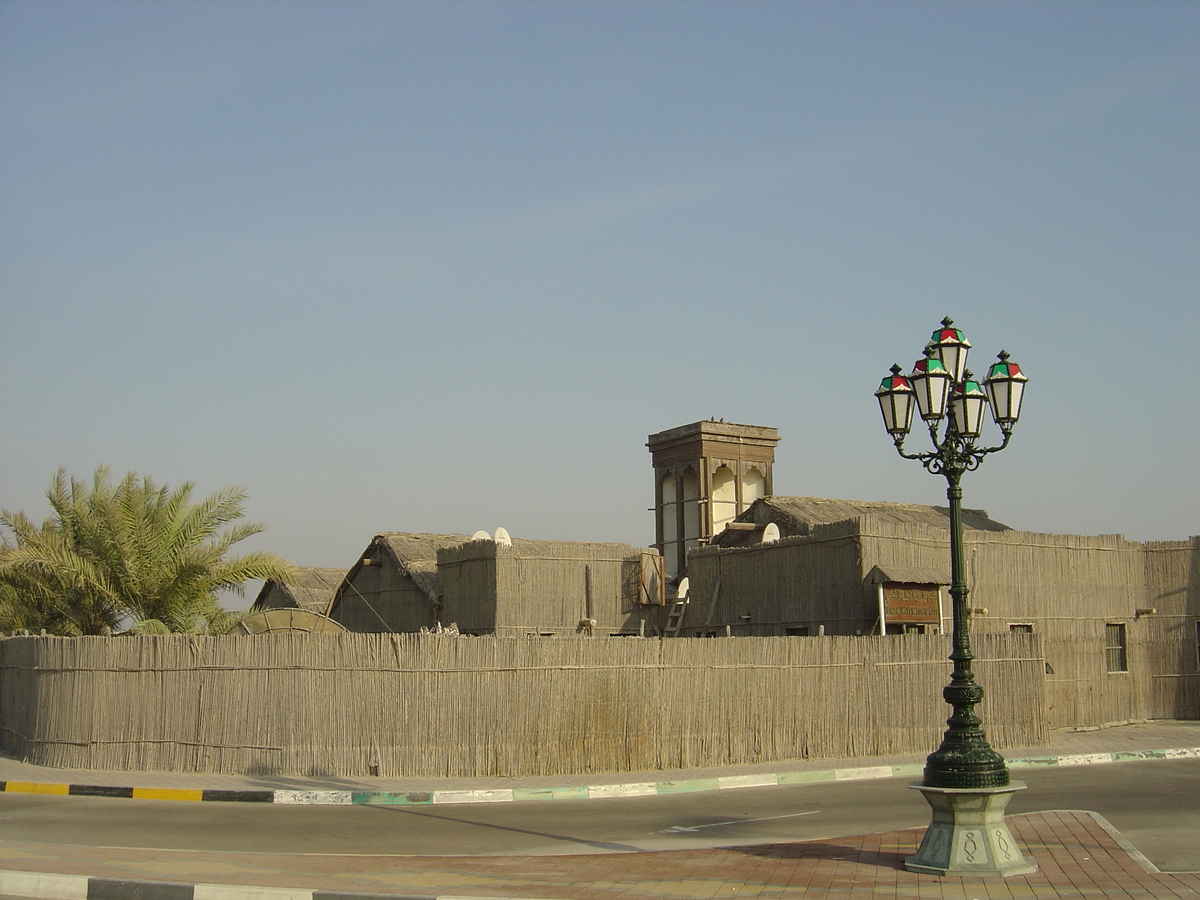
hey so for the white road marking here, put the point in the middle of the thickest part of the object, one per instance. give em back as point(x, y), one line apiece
point(679, 829)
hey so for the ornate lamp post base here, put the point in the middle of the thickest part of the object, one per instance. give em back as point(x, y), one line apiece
point(968, 835)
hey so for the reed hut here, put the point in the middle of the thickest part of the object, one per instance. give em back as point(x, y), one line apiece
point(393, 586)
point(550, 588)
point(311, 591)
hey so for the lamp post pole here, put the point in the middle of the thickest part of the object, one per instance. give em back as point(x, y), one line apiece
point(965, 781)
point(965, 759)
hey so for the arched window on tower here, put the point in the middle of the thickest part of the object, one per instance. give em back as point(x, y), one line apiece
point(754, 486)
point(691, 509)
point(724, 499)
point(670, 522)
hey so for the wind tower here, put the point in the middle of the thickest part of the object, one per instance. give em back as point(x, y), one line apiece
point(705, 474)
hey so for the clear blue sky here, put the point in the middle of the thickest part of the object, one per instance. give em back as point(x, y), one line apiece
point(443, 266)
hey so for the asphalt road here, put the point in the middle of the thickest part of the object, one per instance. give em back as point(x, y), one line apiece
point(1155, 805)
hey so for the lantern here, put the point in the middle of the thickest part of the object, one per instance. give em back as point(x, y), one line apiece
point(931, 382)
point(1005, 385)
point(966, 407)
point(951, 347)
point(896, 398)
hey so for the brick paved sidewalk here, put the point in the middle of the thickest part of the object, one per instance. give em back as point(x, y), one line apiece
point(1078, 856)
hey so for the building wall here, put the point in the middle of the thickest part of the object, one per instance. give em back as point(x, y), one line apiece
point(1073, 590)
point(811, 582)
point(467, 578)
point(541, 588)
point(383, 598)
point(1173, 631)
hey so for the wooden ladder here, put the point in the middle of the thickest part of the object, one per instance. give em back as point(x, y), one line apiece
point(675, 617)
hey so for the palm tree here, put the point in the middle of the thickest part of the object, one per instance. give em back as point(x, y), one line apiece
point(133, 552)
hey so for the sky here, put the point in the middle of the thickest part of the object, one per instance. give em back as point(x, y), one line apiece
point(444, 266)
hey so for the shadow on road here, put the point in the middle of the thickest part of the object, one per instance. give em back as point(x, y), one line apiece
point(597, 845)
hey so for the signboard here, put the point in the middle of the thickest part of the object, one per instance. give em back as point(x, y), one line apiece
point(916, 603)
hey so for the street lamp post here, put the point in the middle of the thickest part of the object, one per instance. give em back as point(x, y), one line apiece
point(965, 781)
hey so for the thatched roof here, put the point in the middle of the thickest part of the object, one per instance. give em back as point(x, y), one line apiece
point(523, 548)
point(311, 591)
point(416, 555)
point(797, 515)
point(526, 548)
point(906, 575)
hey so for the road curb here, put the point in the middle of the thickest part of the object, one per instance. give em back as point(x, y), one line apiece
point(590, 792)
point(83, 887)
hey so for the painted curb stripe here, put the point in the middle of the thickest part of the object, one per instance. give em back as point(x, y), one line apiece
point(622, 790)
point(335, 798)
point(392, 798)
point(815, 777)
point(593, 792)
point(1037, 762)
point(31, 787)
point(125, 889)
point(1187, 753)
point(862, 773)
point(1085, 759)
point(681, 787)
point(228, 796)
point(99, 790)
point(550, 793)
point(167, 794)
point(497, 796)
point(82, 887)
point(747, 781)
point(37, 884)
point(237, 892)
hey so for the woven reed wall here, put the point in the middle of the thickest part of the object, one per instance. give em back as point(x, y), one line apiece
point(430, 705)
point(539, 587)
point(383, 598)
point(467, 578)
point(1069, 587)
point(814, 580)
point(1173, 631)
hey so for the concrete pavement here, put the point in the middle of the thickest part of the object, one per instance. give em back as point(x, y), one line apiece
point(1078, 853)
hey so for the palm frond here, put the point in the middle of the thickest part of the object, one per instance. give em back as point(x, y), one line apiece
point(130, 551)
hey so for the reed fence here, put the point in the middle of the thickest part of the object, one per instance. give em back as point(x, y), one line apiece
point(438, 705)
